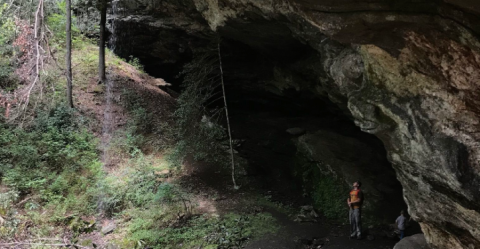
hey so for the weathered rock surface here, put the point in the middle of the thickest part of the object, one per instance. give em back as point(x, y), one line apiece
point(406, 71)
point(416, 241)
point(349, 159)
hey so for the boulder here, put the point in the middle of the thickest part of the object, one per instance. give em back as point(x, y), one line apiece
point(416, 241)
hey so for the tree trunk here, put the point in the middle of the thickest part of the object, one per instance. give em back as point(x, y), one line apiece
point(101, 55)
point(228, 120)
point(69, 53)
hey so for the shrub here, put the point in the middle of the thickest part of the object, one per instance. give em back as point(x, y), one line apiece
point(7, 32)
point(136, 186)
point(199, 130)
point(10, 224)
point(54, 158)
point(329, 193)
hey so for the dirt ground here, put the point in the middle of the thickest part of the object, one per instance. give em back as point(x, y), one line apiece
point(218, 196)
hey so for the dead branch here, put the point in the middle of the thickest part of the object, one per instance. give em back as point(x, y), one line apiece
point(38, 38)
point(33, 61)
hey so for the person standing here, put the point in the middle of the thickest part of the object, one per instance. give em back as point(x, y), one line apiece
point(400, 223)
point(355, 214)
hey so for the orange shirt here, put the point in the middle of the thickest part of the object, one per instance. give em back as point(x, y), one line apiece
point(354, 196)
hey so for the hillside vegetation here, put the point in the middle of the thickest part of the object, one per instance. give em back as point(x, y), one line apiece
point(67, 175)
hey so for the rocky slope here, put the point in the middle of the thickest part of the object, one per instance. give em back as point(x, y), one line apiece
point(406, 71)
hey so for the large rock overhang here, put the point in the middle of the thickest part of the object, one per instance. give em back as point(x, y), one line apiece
point(406, 71)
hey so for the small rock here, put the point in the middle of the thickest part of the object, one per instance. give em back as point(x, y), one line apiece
point(296, 131)
point(108, 228)
point(307, 214)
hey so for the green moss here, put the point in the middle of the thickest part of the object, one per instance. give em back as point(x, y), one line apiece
point(329, 196)
point(328, 192)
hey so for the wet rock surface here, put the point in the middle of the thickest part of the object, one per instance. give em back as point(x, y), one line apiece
point(405, 71)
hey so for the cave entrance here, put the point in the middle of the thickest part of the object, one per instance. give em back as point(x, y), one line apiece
point(298, 143)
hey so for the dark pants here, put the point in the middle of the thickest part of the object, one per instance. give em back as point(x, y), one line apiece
point(402, 234)
point(356, 223)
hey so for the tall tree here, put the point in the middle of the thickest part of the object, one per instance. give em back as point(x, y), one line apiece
point(69, 52)
point(101, 54)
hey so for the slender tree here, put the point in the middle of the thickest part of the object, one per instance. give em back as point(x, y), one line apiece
point(69, 52)
point(101, 54)
point(228, 120)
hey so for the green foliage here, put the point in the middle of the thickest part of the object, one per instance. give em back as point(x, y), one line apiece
point(135, 62)
point(229, 231)
point(54, 159)
point(200, 133)
point(131, 139)
point(57, 20)
point(329, 194)
point(7, 33)
point(10, 216)
point(136, 188)
point(7, 25)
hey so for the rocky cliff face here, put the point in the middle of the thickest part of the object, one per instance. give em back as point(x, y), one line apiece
point(406, 71)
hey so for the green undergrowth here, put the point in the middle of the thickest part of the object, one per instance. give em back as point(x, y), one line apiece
point(328, 193)
point(152, 210)
point(49, 167)
point(52, 180)
point(229, 231)
point(137, 183)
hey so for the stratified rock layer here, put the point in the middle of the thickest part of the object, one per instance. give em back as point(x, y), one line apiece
point(406, 71)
